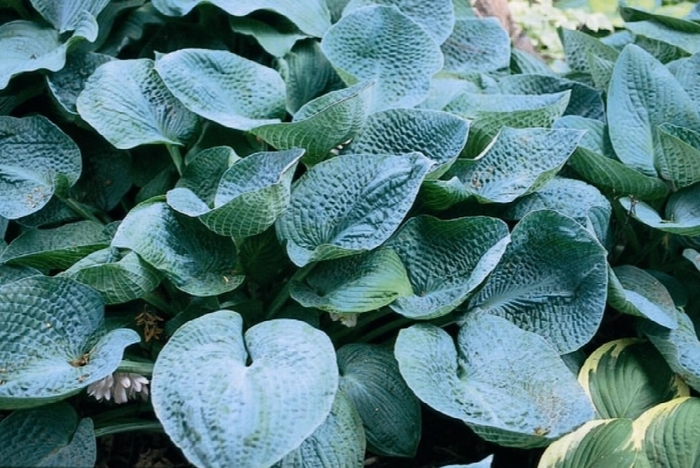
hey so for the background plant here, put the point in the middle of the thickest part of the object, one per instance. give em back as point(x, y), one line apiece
point(320, 230)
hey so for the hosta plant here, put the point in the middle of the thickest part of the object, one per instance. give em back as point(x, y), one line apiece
point(345, 232)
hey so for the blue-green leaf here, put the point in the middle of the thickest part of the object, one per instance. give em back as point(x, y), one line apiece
point(381, 44)
point(53, 341)
point(349, 204)
point(192, 257)
point(128, 104)
point(67, 83)
point(477, 45)
point(311, 16)
point(446, 260)
point(50, 436)
point(509, 385)
point(38, 159)
point(552, 280)
point(224, 87)
point(644, 94)
point(259, 396)
point(66, 15)
point(251, 195)
point(634, 291)
point(390, 412)
point(682, 216)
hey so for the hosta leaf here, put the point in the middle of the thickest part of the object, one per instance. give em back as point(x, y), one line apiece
point(668, 433)
point(687, 72)
point(526, 63)
point(584, 101)
point(355, 284)
point(485, 463)
point(552, 280)
point(322, 124)
point(624, 378)
point(519, 161)
point(37, 160)
point(477, 45)
point(592, 162)
point(193, 258)
point(579, 46)
point(27, 46)
point(349, 204)
point(390, 412)
point(311, 16)
point(67, 83)
point(129, 105)
point(681, 213)
point(277, 39)
point(492, 112)
point(53, 341)
point(634, 291)
point(259, 396)
point(381, 44)
point(573, 198)
point(65, 15)
point(8, 274)
point(224, 87)
point(509, 385)
point(119, 278)
point(644, 94)
point(337, 443)
point(56, 248)
point(438, 135)
point(303, 86)
point(437, 18)
point(679, 157)
point(262, 257)
point(687, 41)
point(446, 260)
point(600, 444)
point(251, 195)
point(203, 172)
point(48, 436)
point(680, 347)
point(601, 71)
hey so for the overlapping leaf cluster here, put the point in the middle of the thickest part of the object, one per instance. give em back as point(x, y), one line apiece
point(303, 222)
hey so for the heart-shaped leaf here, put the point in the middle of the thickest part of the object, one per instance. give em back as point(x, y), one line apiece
point(349, 204)
point(579, 46)
point(322, 124)
point(195, 259)
point(381, 44)
point(259, 396)
point(668, 434)
point(477, 45)
point(251, 195)
point(57, 248)
point(644, 94)
point(337, 443)
point(686, 72)
point(355, 284)
point(390, 412)
point(446, 260)
point(552, 280)
point(47, 436)
point(438, 135)
point(624, 378)
point(634, 291)
point(203, 171)
point(509, 385)
point(679, 158)
point(27, 46)
point(119, 278)
point(519, 162)
point(600, 443)
point(437, 18)
point(53, 341)
point(224, 87)
point(682, 216)
point(38, 159)
point(128, 104)
point(573, 198)
point(311, 16)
